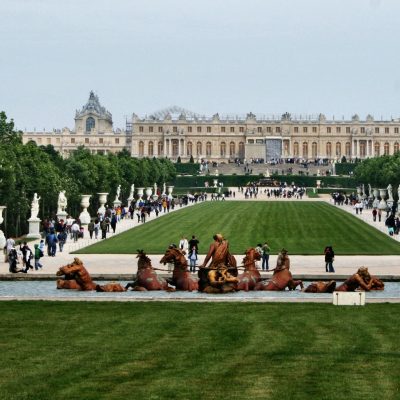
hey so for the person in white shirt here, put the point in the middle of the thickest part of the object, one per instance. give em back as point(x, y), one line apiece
point(75, 228)
point(184, 245)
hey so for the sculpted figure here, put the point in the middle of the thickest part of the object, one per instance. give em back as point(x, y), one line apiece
point(75, 277)
point(62, 202)
point(146, 276)
point(321, 287)
point(282, 277)
point(35, 206)
point(181, 277)
point(251, 276)
point(118, 193)
point(221, 275)
point(361, 280)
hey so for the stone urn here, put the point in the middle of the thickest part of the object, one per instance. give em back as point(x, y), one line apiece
point(215, 182)
point(375, 192)
point(102, 201)
point(149, 192)
point(382, 204)
point(84, 216)
point(169, 191)
point(318, 182)
point(140, 195)
point(2, 237)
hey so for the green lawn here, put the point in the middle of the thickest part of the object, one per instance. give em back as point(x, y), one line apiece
point(301, 227)
point(84, 351)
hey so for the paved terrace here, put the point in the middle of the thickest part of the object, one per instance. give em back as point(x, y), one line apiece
point(111, 266)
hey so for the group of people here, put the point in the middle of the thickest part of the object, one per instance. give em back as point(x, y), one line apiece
point(20, 258)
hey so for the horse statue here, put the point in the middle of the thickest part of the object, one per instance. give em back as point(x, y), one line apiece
point(251, 276)
point(75, 277)
point(181, 277)
point(361, 280)
point(282, 277)
point(110, 287)
point(146, 276)
point(321, 287)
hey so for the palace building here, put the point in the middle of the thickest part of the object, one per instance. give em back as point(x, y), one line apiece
point(176, 132)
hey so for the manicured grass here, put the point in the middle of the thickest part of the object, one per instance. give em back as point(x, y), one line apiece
point(85, 351)
point(301, 227)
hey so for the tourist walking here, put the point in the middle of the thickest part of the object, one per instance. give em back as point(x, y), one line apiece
point(193, 259)
point(184, 245)
point(194, 242)
point(75, 231)
point(91, 229)
point(329, 257)
point(113, 222)
point(97, 228)
point(38, 254)
point(62, 238)
point(103, 227)
point(265, 256)
point(51, 240)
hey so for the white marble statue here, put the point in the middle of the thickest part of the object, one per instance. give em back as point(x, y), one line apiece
point(118, 193)
point(35, 206)
point(370, 190)
point(390, 192)
point(398, 192)
point(62, 202)
point(132, 191)
point(164, 188)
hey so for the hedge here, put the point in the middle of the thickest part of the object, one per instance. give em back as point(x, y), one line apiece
point(187, 168)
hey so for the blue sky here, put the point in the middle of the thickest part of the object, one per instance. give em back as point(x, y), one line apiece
point(266, 56)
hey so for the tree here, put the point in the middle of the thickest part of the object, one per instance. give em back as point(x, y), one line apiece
point(7, 132)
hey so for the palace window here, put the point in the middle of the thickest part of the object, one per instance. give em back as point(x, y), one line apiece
point(328, 129)
point(250, 141)
point(189, 129)
point(86, 140)
point(241, 129)
point(348, 149)
point(305, 150)
point(376, 130)
point(231, 149)
point(278, 129)
point(396, 130)
point(338, 149)
point(259, 129)
point(141, 129)
point(90, 124)
point(116, 140)
point(314, 129)
point(150, 149)
point(72, 140)
point(338, 129)
point(232, 129)
point(199, 149)
point(386, 130)
point(386, 149)
point(296, 129)
point(189, 149)
point(208, 149)
point(241, 150)
point(296, 149)
point(305, 129)
point(314, 148)
point(141, 149)
point(160, 149)
point(150, 129)
point(208, 129)
point(160, 129)
point(175, 129)
point(362, 130)
point(101, 140)
point(199, 129)
point(347, 129)
point(269, 129)
point(222, 129)
point(363, 148)
point(329, 149)
point(377, 148)
point(223, 149)
point(396, 147)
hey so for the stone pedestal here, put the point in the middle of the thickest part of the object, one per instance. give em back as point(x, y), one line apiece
point(34, 228)
point(62, 215)
point(349, 298)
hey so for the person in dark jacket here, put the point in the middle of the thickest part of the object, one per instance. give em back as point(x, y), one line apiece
point(329, 257)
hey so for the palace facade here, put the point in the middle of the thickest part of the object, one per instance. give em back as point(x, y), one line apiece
point(177, 133)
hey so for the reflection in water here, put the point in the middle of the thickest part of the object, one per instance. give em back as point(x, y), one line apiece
point(46, 289)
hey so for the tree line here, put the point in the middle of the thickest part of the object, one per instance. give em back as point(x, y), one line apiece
point(26, 169)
